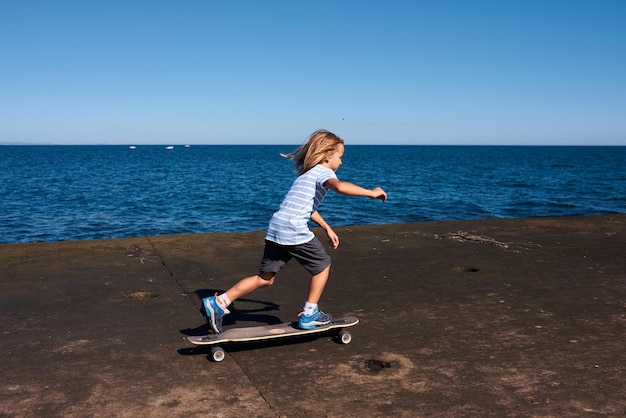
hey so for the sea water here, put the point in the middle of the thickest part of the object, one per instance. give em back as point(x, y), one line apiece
point(56, 193)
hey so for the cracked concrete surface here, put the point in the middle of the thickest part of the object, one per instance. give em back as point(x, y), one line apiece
point(449, 327)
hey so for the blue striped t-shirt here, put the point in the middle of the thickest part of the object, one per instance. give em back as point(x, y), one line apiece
point(290, 224)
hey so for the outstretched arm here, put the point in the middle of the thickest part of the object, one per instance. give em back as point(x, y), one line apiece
point(349, 189)
point(333, 239)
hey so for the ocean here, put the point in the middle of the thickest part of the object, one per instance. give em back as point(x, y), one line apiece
point(58, 193)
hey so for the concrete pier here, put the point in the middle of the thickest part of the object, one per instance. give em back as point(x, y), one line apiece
point(502, 318)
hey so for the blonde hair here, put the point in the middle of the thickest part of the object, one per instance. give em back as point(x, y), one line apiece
point(320, 145)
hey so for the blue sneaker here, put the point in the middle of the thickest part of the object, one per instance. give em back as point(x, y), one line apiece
point(318, 319)
point(214, 313)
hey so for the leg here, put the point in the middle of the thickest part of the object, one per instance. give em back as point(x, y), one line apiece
point(250, 284)
point(317, 285)
point(215, 306)
point(311, 316)
point(274, 258)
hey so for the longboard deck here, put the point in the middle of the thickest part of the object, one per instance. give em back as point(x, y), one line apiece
point(267, 332)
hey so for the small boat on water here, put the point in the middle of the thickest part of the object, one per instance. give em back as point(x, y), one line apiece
point(169, 147)
point(132, 147)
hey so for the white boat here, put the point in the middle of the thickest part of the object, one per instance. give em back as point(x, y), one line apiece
point(169, 147)
point(132, 147)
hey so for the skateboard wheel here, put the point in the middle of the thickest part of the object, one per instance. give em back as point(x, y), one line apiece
point(344, 337)
point(218, 354)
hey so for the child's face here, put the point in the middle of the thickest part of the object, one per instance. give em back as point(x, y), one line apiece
point(334, 161)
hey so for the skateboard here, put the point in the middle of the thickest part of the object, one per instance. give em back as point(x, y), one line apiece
point(268, 332)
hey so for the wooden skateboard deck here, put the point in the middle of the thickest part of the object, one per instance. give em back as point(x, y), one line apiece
point(268, 332)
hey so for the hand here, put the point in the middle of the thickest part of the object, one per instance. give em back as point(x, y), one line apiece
point(333, 239)
point(379, 194)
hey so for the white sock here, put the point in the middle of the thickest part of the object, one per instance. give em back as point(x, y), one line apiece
point(224, 301)
point(309, 308)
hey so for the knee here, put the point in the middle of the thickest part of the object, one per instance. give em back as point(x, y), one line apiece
point(267, 278)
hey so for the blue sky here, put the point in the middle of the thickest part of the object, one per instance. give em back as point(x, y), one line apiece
point(375, 72)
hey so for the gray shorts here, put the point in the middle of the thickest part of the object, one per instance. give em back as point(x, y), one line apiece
point(311, 255)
